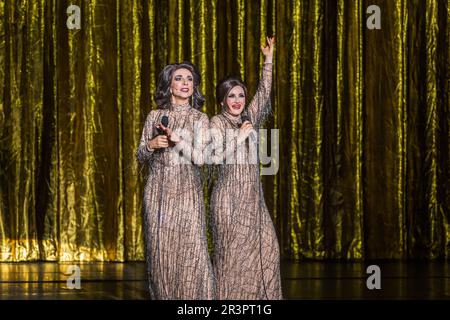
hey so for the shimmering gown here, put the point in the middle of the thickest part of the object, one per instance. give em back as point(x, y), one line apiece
point(178, 262)
point(246, 261)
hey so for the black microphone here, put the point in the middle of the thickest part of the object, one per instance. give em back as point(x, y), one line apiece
point(244, 118)
point(165, 123)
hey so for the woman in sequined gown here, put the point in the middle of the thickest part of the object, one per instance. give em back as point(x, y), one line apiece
point(246, 260)
point(178, 262)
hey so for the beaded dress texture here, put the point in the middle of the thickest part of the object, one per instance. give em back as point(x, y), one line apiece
point(246, 252)
point(178, 262)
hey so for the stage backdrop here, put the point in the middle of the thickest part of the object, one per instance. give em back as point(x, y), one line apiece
point(363, 115)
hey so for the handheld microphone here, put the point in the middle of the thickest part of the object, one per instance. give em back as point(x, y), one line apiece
point(244, 118)
point(165, 123)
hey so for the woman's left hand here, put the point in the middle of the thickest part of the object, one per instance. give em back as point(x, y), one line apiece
point(172, 136)
point(268, 49)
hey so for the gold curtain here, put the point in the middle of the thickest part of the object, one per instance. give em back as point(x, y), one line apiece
point(363, 116)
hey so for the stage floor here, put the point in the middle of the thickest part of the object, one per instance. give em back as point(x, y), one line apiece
point(301, 280)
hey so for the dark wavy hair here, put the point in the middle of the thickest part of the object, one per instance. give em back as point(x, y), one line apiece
point(162, 94)
point(224, 87)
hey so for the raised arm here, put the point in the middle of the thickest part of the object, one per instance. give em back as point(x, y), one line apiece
point(259, 106)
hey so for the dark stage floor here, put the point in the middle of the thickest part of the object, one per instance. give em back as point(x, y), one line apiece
point(301, 280)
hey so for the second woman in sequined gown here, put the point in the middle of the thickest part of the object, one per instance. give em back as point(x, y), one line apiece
point(246, 260)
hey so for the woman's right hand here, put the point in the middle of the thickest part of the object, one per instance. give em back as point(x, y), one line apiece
point(244, 131)
point(158, 142)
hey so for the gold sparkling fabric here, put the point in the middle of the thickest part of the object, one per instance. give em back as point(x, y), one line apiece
point(363, 116)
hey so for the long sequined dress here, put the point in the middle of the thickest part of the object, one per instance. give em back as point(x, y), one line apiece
point(246, 260)
point(178, 261)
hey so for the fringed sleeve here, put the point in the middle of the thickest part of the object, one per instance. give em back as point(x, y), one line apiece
point(260, 106)
point(144, 153)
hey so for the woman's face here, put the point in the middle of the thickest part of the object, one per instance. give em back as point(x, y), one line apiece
point(182, 85)
point(235, 101)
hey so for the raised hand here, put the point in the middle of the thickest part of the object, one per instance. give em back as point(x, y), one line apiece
point(244, 131)
point(267, 50)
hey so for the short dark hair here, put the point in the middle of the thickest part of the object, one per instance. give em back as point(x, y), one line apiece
point(225, 86)
point(163, 94)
